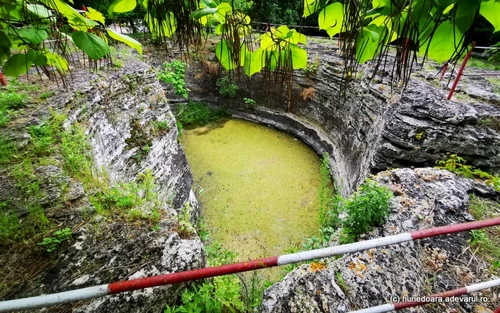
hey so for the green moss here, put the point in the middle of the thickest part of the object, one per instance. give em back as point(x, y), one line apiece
point(260, 187)
point(495, 82)
point(482, 63)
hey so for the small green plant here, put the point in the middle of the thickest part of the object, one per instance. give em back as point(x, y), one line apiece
point(227, 87)
point(180, 128)
point(457, 165)
point(46, 94)
point(12, 99)
point(161, 126)
point(249, 101)
point(42, 138)
point(174, 73)
point(184, 221)
point(201, 229)
point(341, 282)
point(420, 135)
point(195, 114)
point(220, 294)
point(51, 243)
point(9, 223)
point(487, 241)
point(312, 67)
point(478, 237)
point(5, 116)
point(366, 208)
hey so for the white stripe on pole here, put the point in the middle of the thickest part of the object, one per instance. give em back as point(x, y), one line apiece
point(485, 285)
point(56, 298)
point(353, 247)
point(377, 309)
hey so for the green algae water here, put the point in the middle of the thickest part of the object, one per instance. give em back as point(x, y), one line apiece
point(258, 187)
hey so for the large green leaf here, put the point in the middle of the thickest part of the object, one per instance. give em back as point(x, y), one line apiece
point(89, 43)
point(131, 42)
point(223, 9)
point(95, 15)
point(5, 45)
point(75, 19)
point(121, 6)
point(369, 42)
point(38, 58)
point(299, 57)
point(490, 10)
point(54, 59)
point(12, 10)
point(312, 6)
point(466, 12)
point(331, 18)
point(444, 42)
point(32, 35)
point(166, 29)
point(39, 10)
point(16, 65)
point(203, 12)
point(252, 62)
point(208, 3)
point(223, 54)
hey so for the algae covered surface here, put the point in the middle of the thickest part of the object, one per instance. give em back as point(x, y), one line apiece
point(258, 186)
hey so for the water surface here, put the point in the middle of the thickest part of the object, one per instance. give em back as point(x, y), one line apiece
point(259, 186)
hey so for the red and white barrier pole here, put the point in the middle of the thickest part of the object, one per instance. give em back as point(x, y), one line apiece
point(443, 71)
point(173, 278)
point(460, 71)
point(3, 82)
point(439, 297)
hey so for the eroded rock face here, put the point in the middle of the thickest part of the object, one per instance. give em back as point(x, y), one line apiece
point(120, 112)
point(372, 128)
point(424, 197)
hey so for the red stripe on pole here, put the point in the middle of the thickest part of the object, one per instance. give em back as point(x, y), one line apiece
point(180, 277)
point(2, 80)
point(443, 295)
point(405, 49)
point(450, 229)
point(445, 67)
point(498, 310)
point(452, 90)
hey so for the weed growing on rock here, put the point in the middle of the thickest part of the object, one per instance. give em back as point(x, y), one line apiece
point(486, 241)
point(457, 165)
point(186, 229)
point(195, 114)
point(249, 101)
point(221, 294)
point(51, 243)
point(227, 87)
point(174, 73)
point(312, 67)
point(366, 208)
point(161, 126)
point(9, 223)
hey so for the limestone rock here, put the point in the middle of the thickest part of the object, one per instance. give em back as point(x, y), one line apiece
point(425, 198)
point(118, 111)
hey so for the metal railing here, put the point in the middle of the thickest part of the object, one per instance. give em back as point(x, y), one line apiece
point(173, 278)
